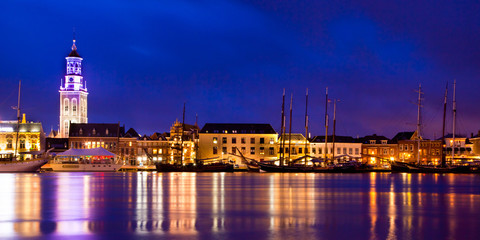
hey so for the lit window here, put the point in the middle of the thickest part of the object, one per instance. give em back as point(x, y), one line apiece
point(252, 150)
point(215, 140)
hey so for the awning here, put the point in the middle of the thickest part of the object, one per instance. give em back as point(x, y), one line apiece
point(87, 152)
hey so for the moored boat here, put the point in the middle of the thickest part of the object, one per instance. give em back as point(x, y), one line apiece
point(84, 160)
point(413, 168)
point(22, 166)
point(212, 167)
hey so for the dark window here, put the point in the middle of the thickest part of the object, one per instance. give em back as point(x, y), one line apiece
point(243, 141)
point(224, 150)
point(215, 150)
point(224, 140)
point(252, 150)
point(262, 140)
point(252, 140)
point(234, 140)
point(271, 151)
point(234, 150)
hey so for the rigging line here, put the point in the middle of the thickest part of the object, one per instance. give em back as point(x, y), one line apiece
point(8, 97)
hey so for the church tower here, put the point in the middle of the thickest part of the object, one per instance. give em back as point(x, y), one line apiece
point(73, 94)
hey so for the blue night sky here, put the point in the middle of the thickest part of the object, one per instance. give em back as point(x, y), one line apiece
point(230, 60)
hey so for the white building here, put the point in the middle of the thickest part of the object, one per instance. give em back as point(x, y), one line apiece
point(221, 141)
point(345, 149)
point(73, 94)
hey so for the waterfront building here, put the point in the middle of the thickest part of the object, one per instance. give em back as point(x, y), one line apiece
point(463, 149)
point(127, 144)
point(346, 148)
point(430, 150)
point(221, 141)
point(73, 94)
point(26, 139)
point(296, 146)
point(137, 150)
point(94, 135)
point(377, 150)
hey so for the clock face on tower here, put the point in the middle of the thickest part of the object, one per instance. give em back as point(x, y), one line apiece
point(71, 79)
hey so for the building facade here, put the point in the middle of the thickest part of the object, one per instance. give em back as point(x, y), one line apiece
point(26, 139)
point(73, 94)
point(412, 149)
point(221, 141)
point(378, 151)
point(346, 148)
point(296, 146)
point(94, 135)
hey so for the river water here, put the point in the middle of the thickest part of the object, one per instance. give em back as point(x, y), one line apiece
point(245, 206)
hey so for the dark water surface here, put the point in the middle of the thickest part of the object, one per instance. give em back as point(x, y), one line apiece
point(239, 206)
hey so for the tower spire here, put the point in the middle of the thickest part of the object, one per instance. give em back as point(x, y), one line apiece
point(74, 47)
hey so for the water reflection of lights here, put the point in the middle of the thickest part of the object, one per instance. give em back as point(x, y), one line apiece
point(218, 203)
point(72, 193)
point(182, 203)
point(294, 205)
point(7, 200)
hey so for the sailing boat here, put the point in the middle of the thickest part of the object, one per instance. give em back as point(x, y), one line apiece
point(417, 167)
point(13, 164)
point(291, 165)
point(199, 165)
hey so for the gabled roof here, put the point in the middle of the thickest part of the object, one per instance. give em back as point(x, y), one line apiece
point(293, 137)
point(403, 136)
point(245, 128)
point(131, 133)
point(96, 130)
point(343, 139)
point(159, 136)
point(376, 138)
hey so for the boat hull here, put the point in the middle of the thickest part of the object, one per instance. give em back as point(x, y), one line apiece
point(412, 168)
point(58, 167)
point(274, 168)
point(194, 168)
point(22, 166)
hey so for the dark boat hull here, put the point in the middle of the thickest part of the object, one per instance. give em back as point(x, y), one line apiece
point(412, 168)
point(274, 168)
point(194, 168)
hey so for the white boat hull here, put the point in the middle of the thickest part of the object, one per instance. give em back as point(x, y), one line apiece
point(22, 166)
point(60, 167)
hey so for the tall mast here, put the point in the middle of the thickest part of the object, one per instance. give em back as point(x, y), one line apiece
point(282, 131)
point(418, 121)
point(326, 125)
point(334, 125)
point(290, 129)
point(183, 130)
point(306, 126)
point(454, 119)
point(444, 164)
point(18, 118)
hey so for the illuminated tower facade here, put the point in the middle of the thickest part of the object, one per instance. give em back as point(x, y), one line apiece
point(73, 94)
